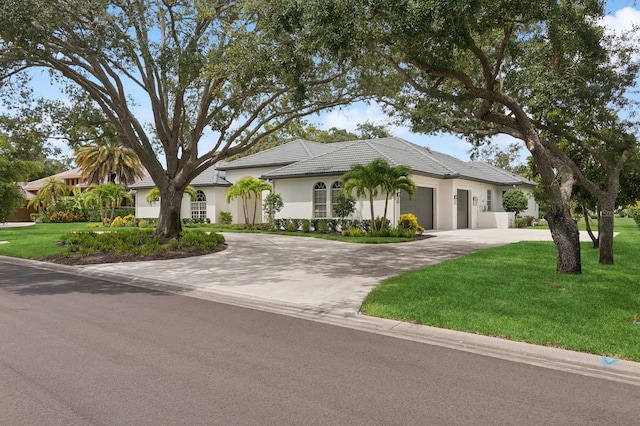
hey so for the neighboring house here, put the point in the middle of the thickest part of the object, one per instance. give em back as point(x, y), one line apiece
point(70, 177)
point(452, 194)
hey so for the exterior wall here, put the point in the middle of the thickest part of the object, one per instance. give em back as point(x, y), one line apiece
point(234, 175)
point(143, 209)
point(235, 207)
point(500, 220)
point(297, 195)
point(446, 217)
point(216, 202)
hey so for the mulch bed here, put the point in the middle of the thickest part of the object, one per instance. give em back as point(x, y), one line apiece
point(99, 257)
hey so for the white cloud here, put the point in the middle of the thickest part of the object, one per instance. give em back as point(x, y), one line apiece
point(622, 20)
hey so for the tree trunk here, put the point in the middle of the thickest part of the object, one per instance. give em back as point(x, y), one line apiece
point(587, 224)
point(384, 216)
point(255, 209)
point(373, 219)
point(564, 231)
point(245, 211)
point(605, 230)
point(169, 221)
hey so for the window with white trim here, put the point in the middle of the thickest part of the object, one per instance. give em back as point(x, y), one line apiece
point(489, 200)
point(320, 200)
point(336, 189)
point(199, 206)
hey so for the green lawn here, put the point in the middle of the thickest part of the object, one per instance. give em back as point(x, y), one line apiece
point(515, 293)
point(36, 241)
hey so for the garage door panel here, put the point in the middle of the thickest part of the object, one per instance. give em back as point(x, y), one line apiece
point(421, 206)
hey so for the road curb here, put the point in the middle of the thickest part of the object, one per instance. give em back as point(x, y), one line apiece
point(547, 357)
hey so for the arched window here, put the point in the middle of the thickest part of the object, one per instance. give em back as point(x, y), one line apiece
point(320, 200)
point(199, 206)
point(336, 189)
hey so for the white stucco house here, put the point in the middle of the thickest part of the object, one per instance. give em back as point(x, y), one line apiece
point(452, 194)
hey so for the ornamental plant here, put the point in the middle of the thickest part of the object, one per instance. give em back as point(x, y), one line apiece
point(515, 201)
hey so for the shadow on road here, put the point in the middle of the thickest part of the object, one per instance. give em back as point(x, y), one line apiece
point(33, 282)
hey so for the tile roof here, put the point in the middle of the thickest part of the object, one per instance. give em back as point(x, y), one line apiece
point(281, 155)
point(210, 177)
point(396, 151)
point(35, 185)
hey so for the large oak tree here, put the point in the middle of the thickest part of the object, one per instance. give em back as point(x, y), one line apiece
point(543, 72)
point(202, 70)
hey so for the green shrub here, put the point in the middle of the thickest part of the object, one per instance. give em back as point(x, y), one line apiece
point(519, 222)
point(225, 218)
point(323, 226)
point(406, 233)
point(528, 220)
point(634, 212)
point(291, 225)
point(139, 242)
point(380, 225)
point(306, 225)
point(332, 224)
point(355, 232)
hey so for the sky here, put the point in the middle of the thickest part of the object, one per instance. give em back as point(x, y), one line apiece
point(622, 14)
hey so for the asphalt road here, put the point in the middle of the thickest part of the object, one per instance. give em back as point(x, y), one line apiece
point(83, 351)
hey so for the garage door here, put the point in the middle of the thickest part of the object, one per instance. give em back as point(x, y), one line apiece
point(421, 206)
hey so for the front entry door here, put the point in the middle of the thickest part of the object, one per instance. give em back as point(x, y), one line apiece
point(463, 208)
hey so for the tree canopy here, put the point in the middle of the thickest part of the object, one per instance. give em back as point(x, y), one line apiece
point(214, 71)
point(543, 72)
point(12, 170)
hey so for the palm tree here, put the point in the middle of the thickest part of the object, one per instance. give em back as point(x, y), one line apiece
point(154, 194)
point(396, 179)
point(106, 196)
point(245, 188)
point(108, 161)
point(49, 193)
point(368, 180)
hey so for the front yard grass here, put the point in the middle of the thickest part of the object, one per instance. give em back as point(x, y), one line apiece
point(514, 292)
point(39, 240)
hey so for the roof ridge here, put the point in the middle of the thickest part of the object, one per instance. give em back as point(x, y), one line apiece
point(433, 158)
point(368, 143)
point(304, 145)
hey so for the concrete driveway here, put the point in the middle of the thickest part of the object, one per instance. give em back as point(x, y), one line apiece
point(311, 274)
